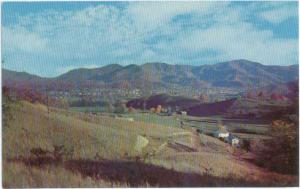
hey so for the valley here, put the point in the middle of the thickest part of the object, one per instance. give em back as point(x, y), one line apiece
point(149, 94)
point(97, 131)
point(115, 82)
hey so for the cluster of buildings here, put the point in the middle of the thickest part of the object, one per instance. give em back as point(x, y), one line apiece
point(226, 136)
point(96, 93)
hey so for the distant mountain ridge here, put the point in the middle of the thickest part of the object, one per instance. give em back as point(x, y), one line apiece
point(234, 74)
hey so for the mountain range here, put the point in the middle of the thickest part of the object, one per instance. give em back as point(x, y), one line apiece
point(236, 74)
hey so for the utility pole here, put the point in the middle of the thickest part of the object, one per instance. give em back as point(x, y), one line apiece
point(47, 100)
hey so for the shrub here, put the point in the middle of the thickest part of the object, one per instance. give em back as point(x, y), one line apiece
point(246, 145)
point(120, 108)
point(131, 109)
point(242, 130)
point(38, 152)
point(9, 105)
point(280, 153)
point(61, 152)
point(158, 109)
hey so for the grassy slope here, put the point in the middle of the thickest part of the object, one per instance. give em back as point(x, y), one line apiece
point(111, 138)
point(18, 175)
point(86, 134)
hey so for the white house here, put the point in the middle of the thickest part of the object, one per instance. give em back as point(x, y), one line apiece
point(221, 134)
point(233, 140)
point(184, 113)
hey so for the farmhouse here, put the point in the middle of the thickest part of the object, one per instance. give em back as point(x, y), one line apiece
point(221, 133)
point(184, 113)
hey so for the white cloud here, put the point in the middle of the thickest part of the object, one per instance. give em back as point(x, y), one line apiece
point(150, 14)
point(19, 39)
point(280, 14)
point(146, 31)
point(241, 41)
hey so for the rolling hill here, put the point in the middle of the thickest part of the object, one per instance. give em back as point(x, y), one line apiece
point(104, 154)
point(232, 74)
point(237, 74)
point(237, 107)
point(194, 107)
point(288, 90)
point(19, 78)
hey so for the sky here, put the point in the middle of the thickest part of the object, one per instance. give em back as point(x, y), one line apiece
point(51, 38)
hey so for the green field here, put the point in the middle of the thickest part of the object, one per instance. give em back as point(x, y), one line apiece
point(89, 109)
point(156, 119)
point(210, 124)
point(206, 124)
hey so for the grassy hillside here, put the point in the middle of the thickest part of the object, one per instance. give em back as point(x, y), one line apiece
point(86, 134)
point(106, 152)
point(239, 108)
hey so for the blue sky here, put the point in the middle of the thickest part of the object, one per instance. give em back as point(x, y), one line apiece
point(51, 38)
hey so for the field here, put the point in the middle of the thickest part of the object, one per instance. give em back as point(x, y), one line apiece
point(242, 127)
point(235, 126)
point(89, 109)
point(106, 151)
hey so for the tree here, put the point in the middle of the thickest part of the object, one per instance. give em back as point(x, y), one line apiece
point(281, 152)
point(261, 95)
point(6, 106)
point(9, 104)
point(249, 95)
point(152, 110)
point(47, 100)
point(247, 145)
point(131, 109)
point(204, 98)
point(147, 84)
point(120, 108)
point(61, 103)
point(158, 109)
point(144, 104)
point(169, 110)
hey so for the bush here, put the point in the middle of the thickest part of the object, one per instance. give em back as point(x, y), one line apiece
point(61, 152)
point(242, 130)
point(8, 106)
point(246, 145)
point(280, 153)
point(38, 152)
point(119, 110)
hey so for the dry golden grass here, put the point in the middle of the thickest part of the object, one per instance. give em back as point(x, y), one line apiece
point(108, 137)
point(18, 175)
point(111, 139)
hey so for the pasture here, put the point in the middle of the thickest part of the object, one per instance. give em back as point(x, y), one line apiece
point(247, 129)
point(101, 142)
